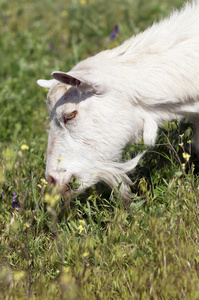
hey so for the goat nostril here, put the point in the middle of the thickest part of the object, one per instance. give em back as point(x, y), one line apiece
point(51, 180)
point(67, 190)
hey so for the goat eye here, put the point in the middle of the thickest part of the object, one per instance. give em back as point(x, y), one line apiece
point(68, 117)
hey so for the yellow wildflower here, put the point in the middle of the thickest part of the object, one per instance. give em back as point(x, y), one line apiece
point(181, 144)
point(83, 222)
point(44, 181)
point(183, 166)
point(85, 254)
point(186, 156)
point(51, 199)
point(80, 228)
point(83, 2)
point(25, 147)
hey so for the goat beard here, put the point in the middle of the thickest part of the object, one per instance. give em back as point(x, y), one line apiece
point(114, 174)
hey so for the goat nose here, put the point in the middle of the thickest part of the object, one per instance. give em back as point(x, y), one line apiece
point(51, 180)
point(63, 185)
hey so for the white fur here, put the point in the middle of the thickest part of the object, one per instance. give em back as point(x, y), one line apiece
point(122, 95)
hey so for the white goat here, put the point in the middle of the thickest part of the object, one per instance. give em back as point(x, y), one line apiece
point(119, 96)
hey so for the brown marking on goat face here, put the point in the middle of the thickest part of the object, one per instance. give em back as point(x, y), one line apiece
point(51, 180)
point(51, 146)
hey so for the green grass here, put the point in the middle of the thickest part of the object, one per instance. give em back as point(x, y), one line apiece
point(94, 247)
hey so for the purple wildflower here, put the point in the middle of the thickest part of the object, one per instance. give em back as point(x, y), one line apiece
point(14, 201)
point(2, 194)
point(181, 121)
point(114, 32)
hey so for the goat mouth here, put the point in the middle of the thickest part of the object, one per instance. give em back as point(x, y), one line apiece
point(70, 189)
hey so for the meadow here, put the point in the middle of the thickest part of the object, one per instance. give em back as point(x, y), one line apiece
point(96, 246)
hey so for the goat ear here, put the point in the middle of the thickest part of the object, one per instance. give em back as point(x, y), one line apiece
point(79, 79)
point(65, 78)
point(45, 83)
